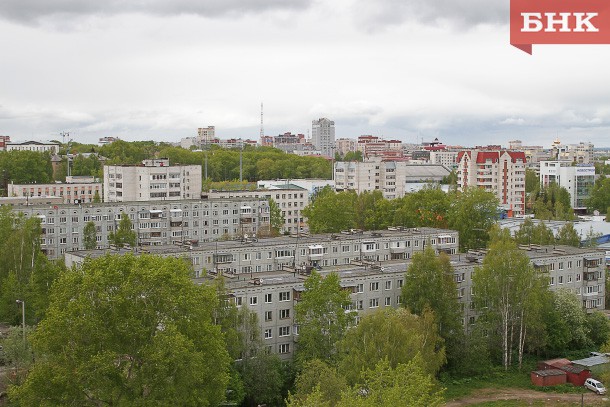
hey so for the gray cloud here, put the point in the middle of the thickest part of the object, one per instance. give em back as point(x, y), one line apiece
point(31, 11)
point(378, 14)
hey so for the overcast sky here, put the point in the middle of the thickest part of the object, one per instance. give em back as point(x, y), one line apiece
point(405, 69)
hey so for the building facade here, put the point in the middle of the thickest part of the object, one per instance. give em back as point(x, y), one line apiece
point(500, 172)
point(345, 145)
point(76, 189)
point(37, 146)
point(155, 223)
point(393, 178)
point(578, 180)
point(323, 136)
point(153, 180)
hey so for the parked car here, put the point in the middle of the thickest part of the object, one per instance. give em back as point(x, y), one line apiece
point(595, 386)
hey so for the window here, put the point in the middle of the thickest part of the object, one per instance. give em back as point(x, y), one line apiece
point(552, 281)
point(360, 304)
point(398, 300)
point(388, 285)
point(285, 296)
point(560, 266)
point(238, 301)
point(360, 288)
point(374, 286)
point(399, 283)
point(253, 300)
point(268, 315)
point(569, 278)
point(284, 331)
point(268, 334)
point(284, 313)
point(569, 264)
point(285, 348)
point(560, 279)
point(268, 298)
point(388, 301)
point(578, 276)
point(374, 303)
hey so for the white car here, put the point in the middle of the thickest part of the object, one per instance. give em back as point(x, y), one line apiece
point(595, 386)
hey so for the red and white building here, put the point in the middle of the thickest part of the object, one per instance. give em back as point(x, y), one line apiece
point(501, 172)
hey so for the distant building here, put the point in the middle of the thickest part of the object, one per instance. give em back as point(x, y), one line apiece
point(578, 180)
point(107, 140)
point(373, 146)
point(3, 141)
point(37, 146)
point(446, 158)
point(393, 178)
point(500, 172)
point(345, 145)
point(76, 189)
point(311, 185)
point(206, 134)
point(153, 180)
point(323, 136)
point(581, 153)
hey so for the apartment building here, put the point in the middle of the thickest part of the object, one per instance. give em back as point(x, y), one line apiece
point(501, 172)
point(248, 256)
point(581, 153)
point(393, 178)
point(577, 179)
point(323, 136)
point(373, 146)
point(345, 145)
point(153, 180)
point(443, 157)
point(375, 284)
point(156, 223)
point(290, 198)
point(76, 189)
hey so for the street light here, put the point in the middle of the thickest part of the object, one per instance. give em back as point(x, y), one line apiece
point(22, 317)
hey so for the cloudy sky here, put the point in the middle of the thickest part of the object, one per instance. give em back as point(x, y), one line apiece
point(405, 69)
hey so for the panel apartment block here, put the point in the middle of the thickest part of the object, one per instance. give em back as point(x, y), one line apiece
point(153, 180)
point(156, 223)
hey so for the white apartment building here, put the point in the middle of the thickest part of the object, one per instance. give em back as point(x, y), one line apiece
point(76, 189)
point(37, 146)
point(500, 172)
point(393, 178)
point(446, 158)
point(153, 180)
point(578, 179)
point(206, 134)
point(323, 136)
point(581, 153)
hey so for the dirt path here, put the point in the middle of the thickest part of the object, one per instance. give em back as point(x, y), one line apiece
point(485, 395)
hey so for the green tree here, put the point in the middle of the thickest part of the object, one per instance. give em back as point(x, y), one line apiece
point(330, 211)
point(599, 198)
point(568, 236)
point(89, 236)
point(317, 376)
point(599, 328)
point(322, 318)
point(430, 285)
point(534, 233)
point(532, 181)
point(124, 234)
point(427, 207)
point(277, 220)
point(507, 290)
point(408, 384)
point(394, 335)
point(126, 330)
point(472, 213)
point(96, 197)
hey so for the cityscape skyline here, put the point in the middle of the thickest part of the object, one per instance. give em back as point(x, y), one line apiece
point(420, 70)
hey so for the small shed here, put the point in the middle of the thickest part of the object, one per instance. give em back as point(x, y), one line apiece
point(553, 364)
point(576, 374)
point(548, 377)
point(596, 364)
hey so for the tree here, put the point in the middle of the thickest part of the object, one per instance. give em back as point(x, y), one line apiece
point(532, 181)
point(552, 202)
point(530, 233)
point(89, 236)
point(430, 285)
point(394, 335)
point(276, 219)
point(124, 235)
point(427, 207)
point(96, 197)
point(322, 318)
point(330, 211)
point(317, 376)
point(408, 384)
point(472, 213)
point(507, 290)
point(599, 198)
point(567, 235)
point(126, 330)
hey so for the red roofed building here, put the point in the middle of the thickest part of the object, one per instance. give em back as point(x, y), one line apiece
point(500, 172)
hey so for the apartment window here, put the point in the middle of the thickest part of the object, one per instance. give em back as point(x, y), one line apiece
point(268, 298)
point(399, 283)
point(569, 264)
point(560, 265)
point(388, 301)
point(569, 278)
point(284, 313)
point(268, 334)
point(360, 288)
point(560, 279)
point(285, 348)
point(374, 286)
point(398, 300)
point(268, 315)
point(374, 303)
point(578, 276)
point(552, 280)
point(253, 300)
point(552, 266)
point(284, 331)
point(247, 256)
point(238, 301)
point(361, 305)
point(285, 296)
point(388, 285)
